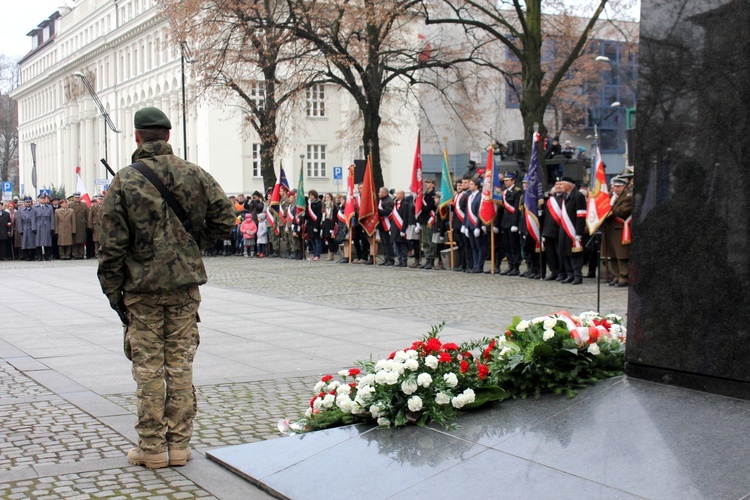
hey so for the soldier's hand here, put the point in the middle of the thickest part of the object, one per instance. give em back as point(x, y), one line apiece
point(476, 232)
point(496, 230)
point(121, 310)
point(513, 229)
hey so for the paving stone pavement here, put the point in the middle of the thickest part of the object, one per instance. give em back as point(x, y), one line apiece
point(67, 402)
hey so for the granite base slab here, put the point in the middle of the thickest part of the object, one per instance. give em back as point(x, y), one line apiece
point(620, 438)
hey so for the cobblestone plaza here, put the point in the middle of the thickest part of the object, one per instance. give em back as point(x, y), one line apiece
point(269, 328)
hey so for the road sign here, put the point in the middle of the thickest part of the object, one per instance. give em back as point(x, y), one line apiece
point(338, 173)
point(45, 191)
point(7, 186)
point(101, 182)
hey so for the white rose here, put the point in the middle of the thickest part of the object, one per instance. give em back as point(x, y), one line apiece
point(469, 395)
point(594, 349)
point(431, 361)
point(384, 422)
point(319, 387)
point(328, 400)
point(549, 322)
point(414, 403)
point(548, 334)
point(411, 364)
point(522, 326)
point(391, 378)
point(451, 380)
point(412, 354)
point(442, 398)
point(409, 387)
point(381, 377)
point(424, 379)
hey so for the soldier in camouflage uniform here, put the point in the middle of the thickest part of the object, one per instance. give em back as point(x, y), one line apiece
point(291, 239)
point(150, 270)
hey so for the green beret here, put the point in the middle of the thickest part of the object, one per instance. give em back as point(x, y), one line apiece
point(147, 118)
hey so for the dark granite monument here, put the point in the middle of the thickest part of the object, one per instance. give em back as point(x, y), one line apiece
point(688, 314)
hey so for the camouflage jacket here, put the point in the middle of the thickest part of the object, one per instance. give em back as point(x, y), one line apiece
point(144, 247)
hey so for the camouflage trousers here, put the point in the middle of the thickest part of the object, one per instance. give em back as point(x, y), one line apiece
point(162, 339)
point(429, 248)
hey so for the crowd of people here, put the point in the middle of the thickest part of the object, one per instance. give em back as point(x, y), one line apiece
point(426, 240)
point(49, 228)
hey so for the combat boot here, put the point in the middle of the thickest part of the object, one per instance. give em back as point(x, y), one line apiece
point(439, 266)
point(430, 264)
point(137, 456)
point(179, 456)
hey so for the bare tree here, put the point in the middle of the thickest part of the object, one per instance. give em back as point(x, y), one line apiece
point(8, 121)
point(373, 50)
point(238, 46)
point(521, 27)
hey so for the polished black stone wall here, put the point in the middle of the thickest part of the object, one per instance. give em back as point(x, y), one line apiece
point(689, 307)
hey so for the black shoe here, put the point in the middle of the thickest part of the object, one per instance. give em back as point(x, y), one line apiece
point(551, 277)
point(428, 266)
point(514, 272)
point(402, 264)
point(388, 263)
point(569, 279)
point(533, 276)
point(343, 261)
point(423, 266)
point(621, 285)
point(561, 277)
point(459, 269)
point(590, 275)
point(506, 272)
point(577, 281)
point(523, 274)
point(370, 262)
point(476, 271)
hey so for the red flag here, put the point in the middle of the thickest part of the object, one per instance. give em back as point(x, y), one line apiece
point(81, 188)
point(346, 215)
point(487, 208)
point(416, 179)
point(368, 202)
point(599, 206)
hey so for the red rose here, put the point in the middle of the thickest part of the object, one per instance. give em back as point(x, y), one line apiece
point(444, 357)
point(483, 371)
point(355, 371)
point(326, 378)
point(488, 350)
point(433, 345)
point(450, 347)
point(463, 366)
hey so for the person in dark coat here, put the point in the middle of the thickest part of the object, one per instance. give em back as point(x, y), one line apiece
point(25, 230)
point(511, 220)
point(399, 221)
point(551, 232)
point(5, 232)
point(473, 226)
point(385, 208)
point(572, 226)
point(43, 224)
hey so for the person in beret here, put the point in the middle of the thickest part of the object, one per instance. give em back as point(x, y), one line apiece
point(150, 269)
point(81, 210)
point(616, 231)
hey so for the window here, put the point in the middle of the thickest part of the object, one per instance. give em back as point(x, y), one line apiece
point(256, 160)
point(258, 94)
point(316, 101)
point(316, 160)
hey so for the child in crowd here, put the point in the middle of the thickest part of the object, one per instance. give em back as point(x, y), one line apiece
point(249, 231)
point(262, 235)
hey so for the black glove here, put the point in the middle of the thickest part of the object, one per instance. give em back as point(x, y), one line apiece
point(119, 308)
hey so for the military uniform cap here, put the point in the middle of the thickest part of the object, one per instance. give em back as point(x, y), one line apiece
point(27, 198)
point(148, 118)
point(76, 194)
point(511, 175)
point(568, 179)
point(620, 181)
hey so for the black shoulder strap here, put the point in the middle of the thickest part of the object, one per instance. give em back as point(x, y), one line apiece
point(165, 193)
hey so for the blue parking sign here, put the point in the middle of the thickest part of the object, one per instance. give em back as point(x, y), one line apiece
point(7, 187)
point(338, 173)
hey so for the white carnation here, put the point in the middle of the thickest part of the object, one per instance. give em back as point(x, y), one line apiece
point(398, 368)
point(522, 326)
point(317, 403)
point(400, 356)
point(384, 422)
point(548, 334)
point(442, 398)
point(356, 408)
point(549, 322)
point(391, 378)
point(343, 389)
point(538, 319)
point(380, 365)
point(424, 379)
point(614, 318)
point(451, 380)
point(411, 364)
point(414, 403)
point(412, 354)
point(375, 411)
point(458, 401)
point(368, 379)
point(594, 349)
point(308, 412)
point(333, 385)
point(328, 400)
point(344, 373)
point(505, 350)
point(319, 387)
point(381, 377)
point(469, 395)
point(365, 391)
point(409, 387)
point(431, 361)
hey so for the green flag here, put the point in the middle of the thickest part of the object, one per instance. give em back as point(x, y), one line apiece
point(300, 193)
point(446, 184)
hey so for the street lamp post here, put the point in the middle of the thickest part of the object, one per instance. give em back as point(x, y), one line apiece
point(107, 120)
point(184, 57)
point(33, 166)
